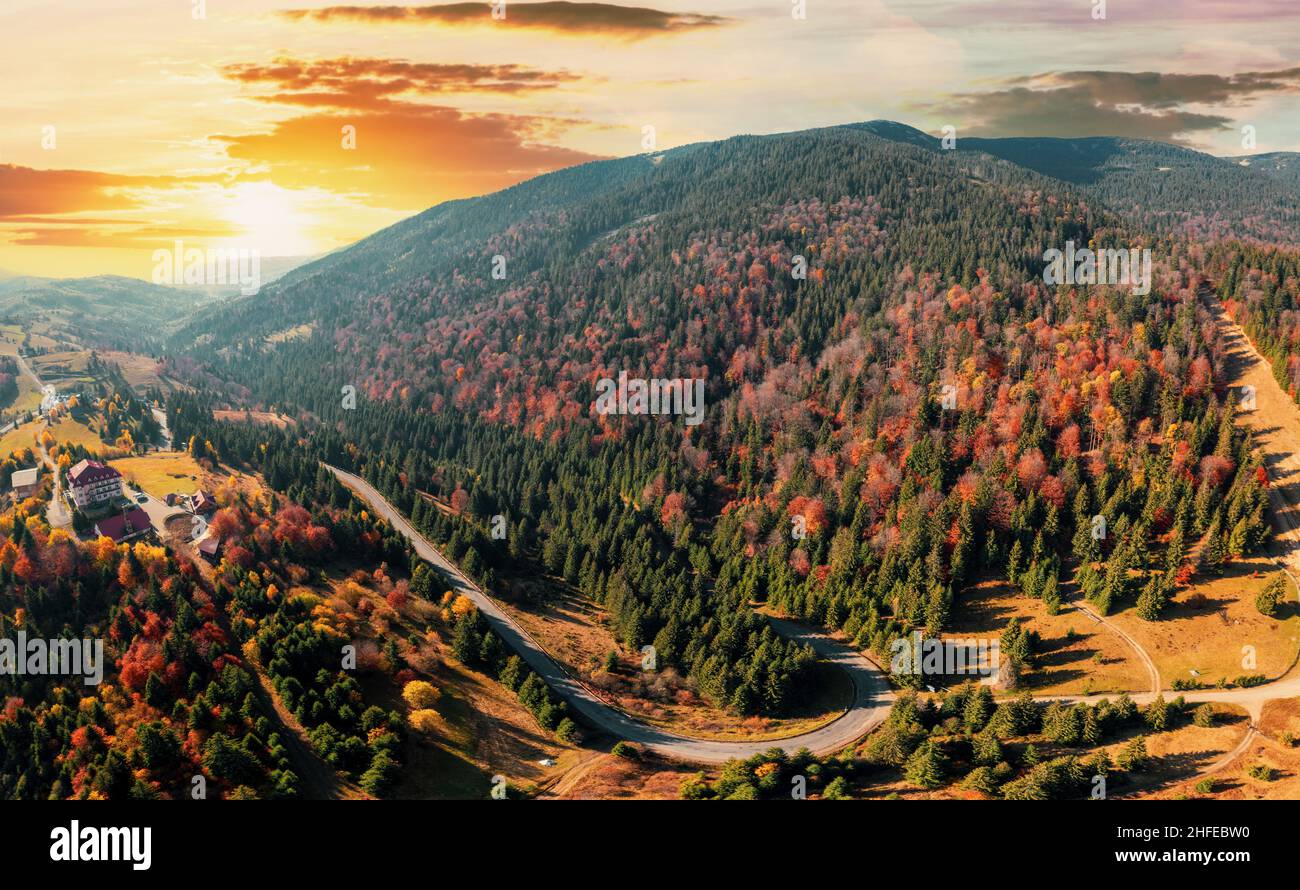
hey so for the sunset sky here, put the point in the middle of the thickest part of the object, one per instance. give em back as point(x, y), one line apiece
point(227, 130)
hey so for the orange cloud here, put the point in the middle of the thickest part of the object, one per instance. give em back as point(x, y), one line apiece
point(579, 19)
point(25, 191)
point(409, 157)
point(111, 233)
point(359, 83)
point(39, 207)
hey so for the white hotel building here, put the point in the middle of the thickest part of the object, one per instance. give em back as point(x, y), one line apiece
point(92, 484)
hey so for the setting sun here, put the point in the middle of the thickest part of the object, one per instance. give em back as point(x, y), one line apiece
point(272, 219)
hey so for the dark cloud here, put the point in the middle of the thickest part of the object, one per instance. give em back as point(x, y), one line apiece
point(367, 84)
point(1148, 105)
point(1156, 90)
point(600, 19)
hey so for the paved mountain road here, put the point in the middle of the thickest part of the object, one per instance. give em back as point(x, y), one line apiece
point(871, 699)
point(1276, 424)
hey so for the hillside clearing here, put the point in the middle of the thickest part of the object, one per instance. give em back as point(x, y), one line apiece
point(161, 473)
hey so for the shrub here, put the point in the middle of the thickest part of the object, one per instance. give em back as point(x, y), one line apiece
point(838, 789)
point(1261, 772)
point(695, 787)
point(1134, 756)
point(425, 720)
point(420, 694)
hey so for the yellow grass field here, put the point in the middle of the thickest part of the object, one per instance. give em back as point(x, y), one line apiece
point(259, 417)
point(71, 432)
point(65, 430)
point(140, 371)
point(60, 363)
point(17, 439)
point(1076, 655)
point(11, 337)
point(29, 395)
point(1212, 627)
point(161, 473)
point(1269, 747)
point(66, 371)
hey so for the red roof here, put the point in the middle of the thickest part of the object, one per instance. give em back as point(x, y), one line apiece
point(210, 545)
point(120, 527)
point(202, 502)
point(90, 471)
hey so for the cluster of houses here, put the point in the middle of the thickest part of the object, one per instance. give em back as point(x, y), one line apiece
point(51, 398)
point(96, 488)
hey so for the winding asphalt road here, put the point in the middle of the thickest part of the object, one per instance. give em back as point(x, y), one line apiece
point(1276, 423)
point(872, 696)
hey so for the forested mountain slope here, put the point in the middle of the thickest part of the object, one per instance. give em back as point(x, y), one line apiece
point(919, 408)
point(1154, 185)
point(584, 244)
point(1281, 165)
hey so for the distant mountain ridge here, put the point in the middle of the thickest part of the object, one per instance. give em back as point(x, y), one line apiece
point(1153, 184)
point(405, 303)
point(115, 310)
point(1283, 166)
point(102, 310)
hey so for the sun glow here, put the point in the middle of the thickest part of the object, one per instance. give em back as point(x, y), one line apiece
point(273, 219)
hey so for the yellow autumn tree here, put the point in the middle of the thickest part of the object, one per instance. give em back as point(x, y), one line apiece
point(424, 720)
point(420, 694)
